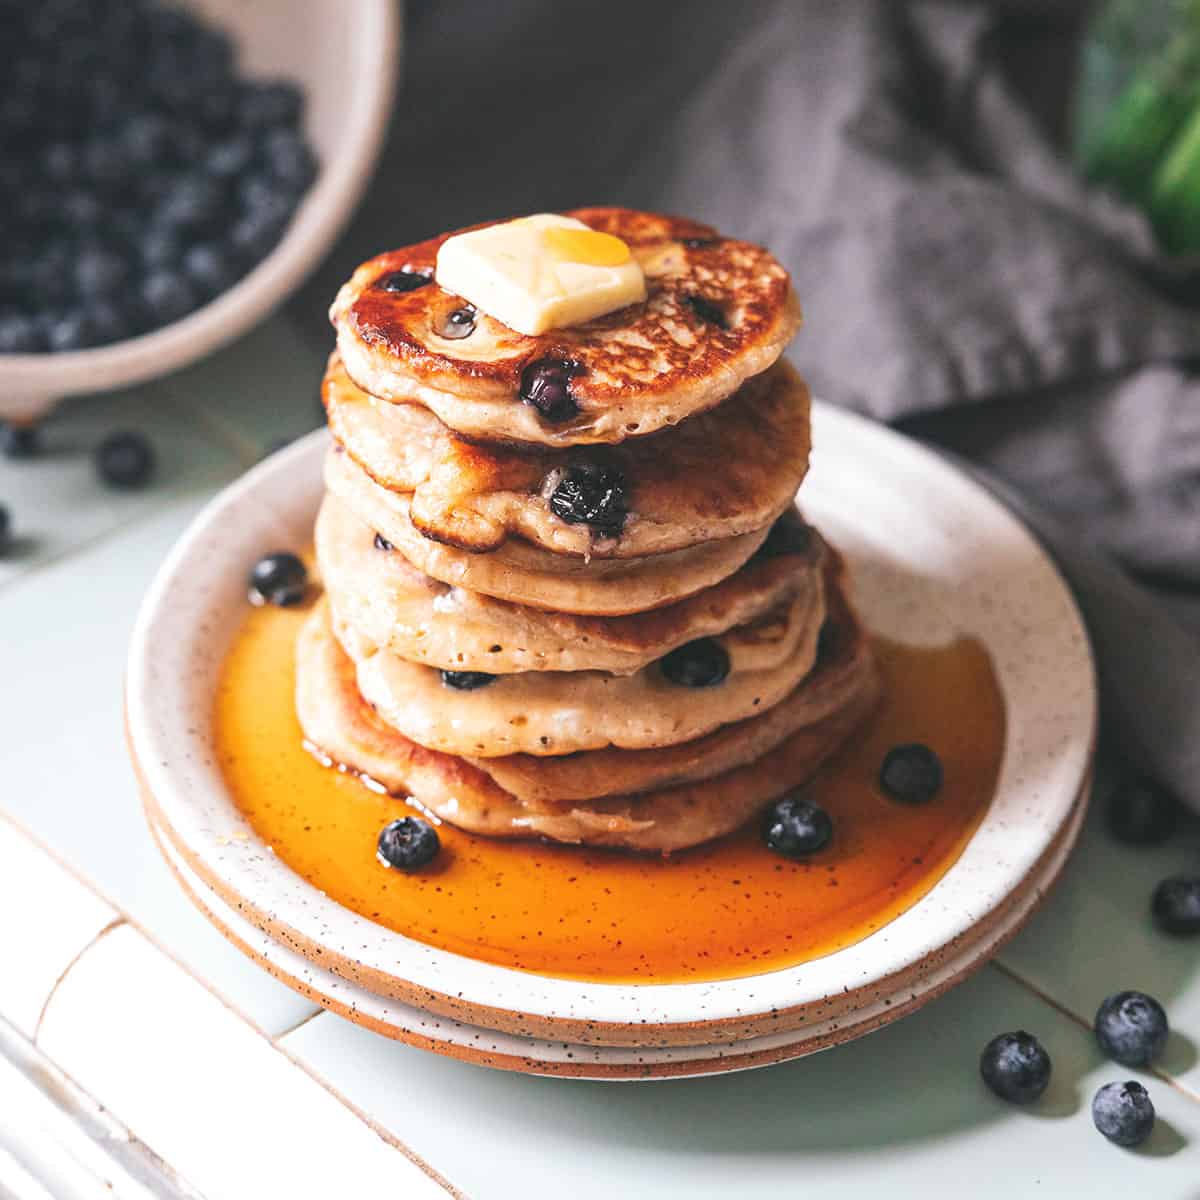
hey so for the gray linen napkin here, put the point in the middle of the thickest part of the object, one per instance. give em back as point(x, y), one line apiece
point(957, 279)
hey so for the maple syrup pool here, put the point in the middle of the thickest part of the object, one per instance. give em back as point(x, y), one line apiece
point(729, 909)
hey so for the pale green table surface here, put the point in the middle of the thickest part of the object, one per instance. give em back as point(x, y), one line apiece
point(901, 1113)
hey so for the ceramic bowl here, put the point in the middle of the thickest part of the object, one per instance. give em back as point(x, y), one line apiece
point(345, 57)
point(934, 556)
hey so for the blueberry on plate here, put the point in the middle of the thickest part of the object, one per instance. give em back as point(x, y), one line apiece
point(280, 578)
point(796, 827)
point(125, 460)
point(19, 441)
point(1123, 1112)
point(593, 493)
point(1131, 1028)
point(546, 384)
point(701, 663)
point(465, 681)
point(1015, 1066)
point(407, 844)
point(1175, 905)
point(911, 774)
point(1141, 813)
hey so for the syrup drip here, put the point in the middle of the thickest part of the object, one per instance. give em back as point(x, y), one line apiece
point(721, 911)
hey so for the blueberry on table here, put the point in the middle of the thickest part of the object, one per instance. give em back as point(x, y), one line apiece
point(911, 773)
point(280, 579)
point(125, 460)
point(1123, 1112)
point(702, 663)
point(796, 827)
point(591, 493)
point(1131, 1028)
point(546, 384)
point(19, 441)
point(465, 681)
point(1141, 813)
point(1015, 1066)
point(407, 844)
point(1175, 905)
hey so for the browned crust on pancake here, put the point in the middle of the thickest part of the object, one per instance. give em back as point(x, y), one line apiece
point(844, 667)
point(358, 575)
point(658, 349)
point(728, 471)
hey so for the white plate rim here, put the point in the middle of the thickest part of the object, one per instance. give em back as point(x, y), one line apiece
point(177, 643)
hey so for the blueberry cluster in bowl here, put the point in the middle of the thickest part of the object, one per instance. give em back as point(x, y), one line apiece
point(140, 175)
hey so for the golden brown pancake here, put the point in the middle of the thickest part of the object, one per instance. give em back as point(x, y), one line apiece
point(722, 473)
point(560, 712)
point(342, 728)
point(379, 593)
point(528, 575)
point(845, 672)
point(718, 312)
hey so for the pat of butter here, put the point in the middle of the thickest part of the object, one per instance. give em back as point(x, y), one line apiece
point(541, 272)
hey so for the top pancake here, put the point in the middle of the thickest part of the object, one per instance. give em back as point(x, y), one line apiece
point(718, 311)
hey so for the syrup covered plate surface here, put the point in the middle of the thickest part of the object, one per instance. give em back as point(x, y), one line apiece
point(935, 557)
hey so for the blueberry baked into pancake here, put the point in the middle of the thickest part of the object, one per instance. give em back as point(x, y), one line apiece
point(566, 591)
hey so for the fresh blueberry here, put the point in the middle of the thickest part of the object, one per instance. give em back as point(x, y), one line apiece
point(255, 235)
point(210, 268)
point(5, 530)
point(1141, 813)
point(290, 159)
point(280, 579)
point(100, 271)
point(105, 164)
point(167, 296)
point(546, 384)
point(458, 324)
point(381, 543)
point(466, 681)
point(194, 202)
point(702, 663)
point(111, 321)
point(160, 246)
point(1131, 1028)
point(231, 157)
point(1123, 1112)
point(796, 827)
point(1015, 1066)
point(19, 441)
point(408, 844)
point(125, 460)
point(911, 774)
point(80, 209)
point(147, 138)
point(707, 310)
point(404, 281)
point(261, 193)
point(59, 162)
point(19, 334)
point(591, 492)
point(262, 105)
point(1176, 905)
point(71, 331)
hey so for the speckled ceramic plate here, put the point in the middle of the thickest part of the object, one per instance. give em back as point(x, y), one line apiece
point(934, 555)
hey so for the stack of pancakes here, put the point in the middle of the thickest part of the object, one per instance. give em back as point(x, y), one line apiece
point(567, 593)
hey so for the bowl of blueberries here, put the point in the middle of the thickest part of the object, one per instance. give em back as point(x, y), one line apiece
point(169, 173)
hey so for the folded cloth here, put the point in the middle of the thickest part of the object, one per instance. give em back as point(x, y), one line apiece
point(957, 277)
